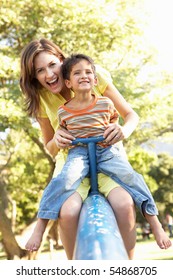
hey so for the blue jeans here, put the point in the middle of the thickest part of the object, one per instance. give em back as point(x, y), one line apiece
point(76, 168)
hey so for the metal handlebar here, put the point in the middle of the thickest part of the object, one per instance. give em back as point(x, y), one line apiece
point(88, 140)
point(91, 143)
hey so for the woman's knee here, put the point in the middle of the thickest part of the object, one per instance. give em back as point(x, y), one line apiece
point(127, 204)
point(71, 208)
point(121, 201)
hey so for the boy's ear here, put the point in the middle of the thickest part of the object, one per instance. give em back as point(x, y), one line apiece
point(67, 83)
point(95, 81)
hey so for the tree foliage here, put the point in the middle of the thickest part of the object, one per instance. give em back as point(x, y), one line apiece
point(112, 33)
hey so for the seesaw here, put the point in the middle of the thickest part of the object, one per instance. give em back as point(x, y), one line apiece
point(98, 236)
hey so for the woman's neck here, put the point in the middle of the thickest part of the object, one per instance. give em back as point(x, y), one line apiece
point(65, 93)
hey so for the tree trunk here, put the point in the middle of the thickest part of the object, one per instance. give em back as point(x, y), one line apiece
point(11, 247)
point(10, 244)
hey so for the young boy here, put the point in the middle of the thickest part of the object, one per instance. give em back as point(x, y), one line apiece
point(86, 115)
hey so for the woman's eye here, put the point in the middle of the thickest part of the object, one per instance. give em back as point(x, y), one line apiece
point(39, 71)
point(53, 64)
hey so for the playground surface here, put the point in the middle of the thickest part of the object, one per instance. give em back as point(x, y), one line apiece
point(145, 250)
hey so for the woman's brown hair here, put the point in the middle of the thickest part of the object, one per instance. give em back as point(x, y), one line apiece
point(29, 84)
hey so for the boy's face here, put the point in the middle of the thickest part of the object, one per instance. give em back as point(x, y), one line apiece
point(82, 77)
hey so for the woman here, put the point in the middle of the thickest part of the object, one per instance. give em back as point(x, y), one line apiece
point(44, 90)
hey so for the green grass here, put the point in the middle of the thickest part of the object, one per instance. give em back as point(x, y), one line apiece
point(145, 250)
point(149, 250)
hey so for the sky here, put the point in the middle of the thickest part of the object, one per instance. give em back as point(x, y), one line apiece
point(159, 30)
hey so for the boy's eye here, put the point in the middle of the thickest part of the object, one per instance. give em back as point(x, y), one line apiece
point(76, 73)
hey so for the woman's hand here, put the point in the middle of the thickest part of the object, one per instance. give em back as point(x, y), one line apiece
point(114, 133)
point(63, 138)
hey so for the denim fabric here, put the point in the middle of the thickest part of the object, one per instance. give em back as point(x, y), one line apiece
point(111, 163)
point(65, 184)
point(76, 168)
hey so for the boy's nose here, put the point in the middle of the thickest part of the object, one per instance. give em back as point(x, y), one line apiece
point(83, 75)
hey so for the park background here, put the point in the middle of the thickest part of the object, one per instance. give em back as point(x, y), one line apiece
point(129, 38)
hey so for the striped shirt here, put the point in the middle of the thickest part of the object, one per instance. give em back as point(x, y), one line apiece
point(91, 121)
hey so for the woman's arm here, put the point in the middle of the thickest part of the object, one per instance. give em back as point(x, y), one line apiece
point(54, 141)
point(115, 132)
point(48, 136)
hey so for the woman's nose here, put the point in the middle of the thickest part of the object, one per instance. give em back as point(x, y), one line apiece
point(49, 72)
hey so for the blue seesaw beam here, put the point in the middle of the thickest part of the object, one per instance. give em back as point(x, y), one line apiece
point(98, 236)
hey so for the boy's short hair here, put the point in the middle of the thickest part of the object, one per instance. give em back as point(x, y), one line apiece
point(72, 60)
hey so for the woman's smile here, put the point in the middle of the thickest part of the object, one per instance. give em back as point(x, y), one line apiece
point(48, 71)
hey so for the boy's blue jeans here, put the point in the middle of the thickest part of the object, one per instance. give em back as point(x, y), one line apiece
point(76, 168)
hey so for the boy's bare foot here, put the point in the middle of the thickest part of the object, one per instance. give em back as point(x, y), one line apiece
point(162, 239)
point(34, 242)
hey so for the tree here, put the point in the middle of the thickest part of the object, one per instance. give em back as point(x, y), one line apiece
point(112, 33)
point(162, 172)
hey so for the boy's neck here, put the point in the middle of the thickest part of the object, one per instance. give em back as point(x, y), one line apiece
point(82, 96)
point(81, 101)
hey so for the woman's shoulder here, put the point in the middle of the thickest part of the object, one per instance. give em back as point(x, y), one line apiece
point(102, 72)
point(103, 79)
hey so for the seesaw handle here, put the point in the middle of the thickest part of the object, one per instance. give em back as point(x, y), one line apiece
point(98, 236)
point(88, 140)
point(91, 143)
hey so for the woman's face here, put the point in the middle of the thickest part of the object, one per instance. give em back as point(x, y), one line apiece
point(48, 71)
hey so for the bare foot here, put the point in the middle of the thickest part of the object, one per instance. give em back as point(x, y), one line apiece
point(34, 242)
point(162, 239)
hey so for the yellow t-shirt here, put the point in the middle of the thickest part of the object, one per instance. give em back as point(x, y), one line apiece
point(49, 104)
